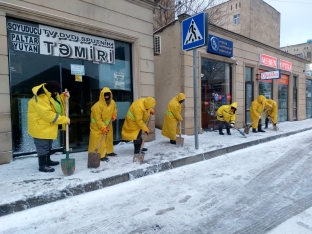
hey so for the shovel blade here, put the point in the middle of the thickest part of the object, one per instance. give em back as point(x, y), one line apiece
point(246, 129)
point(94, 160)
point(68, 166)
point(136, 158)
point(180, 141)
point(243, 134)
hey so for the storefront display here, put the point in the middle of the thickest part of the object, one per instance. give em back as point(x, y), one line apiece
point(308, 98)
point(283, 98)
point(215, 91)
point(82, 63)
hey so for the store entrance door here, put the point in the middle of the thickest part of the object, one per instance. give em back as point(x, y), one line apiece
point(215, 88)
point(80, 101)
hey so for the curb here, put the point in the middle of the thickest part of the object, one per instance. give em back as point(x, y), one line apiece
point(31, 202)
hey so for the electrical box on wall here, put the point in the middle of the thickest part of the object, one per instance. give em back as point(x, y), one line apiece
point(157, 45)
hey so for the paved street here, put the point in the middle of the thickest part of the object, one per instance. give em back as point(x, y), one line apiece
point(248, 191)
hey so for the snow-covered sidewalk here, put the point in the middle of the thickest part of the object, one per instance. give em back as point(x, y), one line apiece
point(23, 186)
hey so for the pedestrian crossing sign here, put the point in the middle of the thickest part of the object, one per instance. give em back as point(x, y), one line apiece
point(194, 32)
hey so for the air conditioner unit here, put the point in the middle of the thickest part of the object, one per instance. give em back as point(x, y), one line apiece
point(157, 45)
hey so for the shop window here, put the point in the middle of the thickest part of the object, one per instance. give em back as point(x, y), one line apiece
point(283, 98)
point(215, 88)
point(295, 98)
point(308, 99)
point(29, 67)
point(248, 92)
point(237, 19)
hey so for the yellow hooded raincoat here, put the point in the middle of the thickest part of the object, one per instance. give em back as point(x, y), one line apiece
point(173, 115)
point(101, 114)
point(136, 117)
point(43, 114)
point(256, 109)
point(272, 111)
point(224, 112)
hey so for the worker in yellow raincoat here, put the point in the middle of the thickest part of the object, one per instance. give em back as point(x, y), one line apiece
point(102, 112)
point(46, 114)
point(226, 117)
point(256, 110)
point(172, 116)
point(135, 122)
point(272, 113)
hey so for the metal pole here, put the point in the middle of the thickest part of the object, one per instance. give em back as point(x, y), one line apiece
point(195, 96)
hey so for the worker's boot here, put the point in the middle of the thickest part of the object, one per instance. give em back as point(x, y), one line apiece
point(228, 131)
point(43, 166)
point(260, 128)
point(50, 162)
point(220, 131)
point(254, 130)
point(266, 123)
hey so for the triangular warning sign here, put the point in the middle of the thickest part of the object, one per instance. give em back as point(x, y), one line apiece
point(193, 34)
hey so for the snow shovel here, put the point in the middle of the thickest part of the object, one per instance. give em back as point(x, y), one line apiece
point(140, 156)
point(275, 128)
point(240, 132)
point(67, 164)
point(179, 139)
point(248, 126)
point(94, 158)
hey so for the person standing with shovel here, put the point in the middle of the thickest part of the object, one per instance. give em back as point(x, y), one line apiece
point(102, 113)
point(138, 114)
point(173, 115)
point(46, 114)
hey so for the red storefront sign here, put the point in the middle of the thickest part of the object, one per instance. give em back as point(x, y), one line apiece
point(283, 80)
point(285, 65)
point(268, 61)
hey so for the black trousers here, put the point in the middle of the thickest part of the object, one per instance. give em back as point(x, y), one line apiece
point(137, 143)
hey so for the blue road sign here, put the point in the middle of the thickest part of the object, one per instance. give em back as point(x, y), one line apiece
point(194, 31)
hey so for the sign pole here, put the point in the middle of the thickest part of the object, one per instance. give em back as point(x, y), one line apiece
point(195, 97)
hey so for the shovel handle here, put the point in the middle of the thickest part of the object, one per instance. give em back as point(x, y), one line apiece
point(103, 136)
point(143, 139)
point(66, 113)
point(180, 128)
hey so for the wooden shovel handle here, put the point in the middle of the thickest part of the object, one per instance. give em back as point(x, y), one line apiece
point(143, 139)
point(103, 136)
point(180, 128)
point(66, 113)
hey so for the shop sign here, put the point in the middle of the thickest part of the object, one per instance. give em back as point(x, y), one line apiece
point(308, 69)
point(220, 46)
point(270, 75)
point(42, 39)
point(268, 61)
point(283, 80)
point(285, 65)
point(77, 69)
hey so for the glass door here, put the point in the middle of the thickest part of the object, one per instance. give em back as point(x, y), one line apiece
point(308, 99)
point(215, 87)
point(248, 92)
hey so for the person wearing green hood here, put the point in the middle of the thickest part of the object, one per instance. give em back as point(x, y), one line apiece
point(226, 117)
point(172, 117)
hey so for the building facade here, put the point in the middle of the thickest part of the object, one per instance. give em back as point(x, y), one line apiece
point(302, 50)
point(237, 73)
point(254, 19)
point(85, 45)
